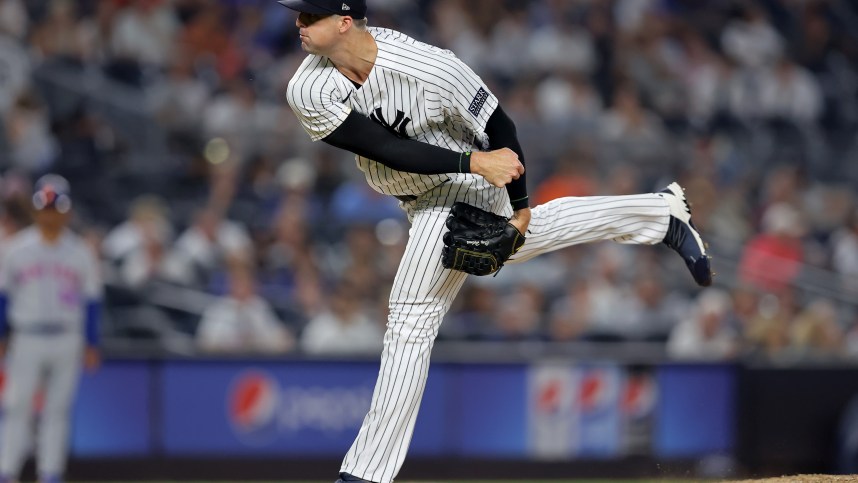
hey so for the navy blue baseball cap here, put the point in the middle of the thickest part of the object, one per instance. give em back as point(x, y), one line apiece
point(353, 8)
point(52, 191)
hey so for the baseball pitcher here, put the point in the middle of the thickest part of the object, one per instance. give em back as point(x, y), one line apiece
point(427, 130)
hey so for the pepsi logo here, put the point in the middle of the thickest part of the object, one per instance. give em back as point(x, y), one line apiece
point(252, 404)
point(639, 396)
point(548, 396)
point(596, 390)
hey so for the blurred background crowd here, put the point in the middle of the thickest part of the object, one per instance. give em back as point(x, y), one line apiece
point(222, 228)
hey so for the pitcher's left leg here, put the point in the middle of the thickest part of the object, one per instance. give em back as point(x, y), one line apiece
point(639, 219)
point(644, 219)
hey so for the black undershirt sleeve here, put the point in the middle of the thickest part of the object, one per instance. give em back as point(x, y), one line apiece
point(360, 135)
point(502, 134)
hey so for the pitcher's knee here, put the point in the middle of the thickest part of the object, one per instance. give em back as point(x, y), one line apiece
point(411, 329)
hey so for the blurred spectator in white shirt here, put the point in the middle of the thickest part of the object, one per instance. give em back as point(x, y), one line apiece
point(850, 339)
point(570, 315)
point(562, 46)
point(654, 310)
point(508, 47)
point(519, 315)
point(844, 258)
point(705, 75)
point(706, 335)
point(135, 251)
point(631, 14)
point(456, 30)
point(145, 32)
point(205, 247)
point(146, 262)
point(564, 98)
point(346, 327)
point(180, 98)
point(13, 19)
point(608, 293)
point(28, 131)
point(629, 124)
point(15, 68)
point(248, 124)
point(752, 40)
point(147, 219)
point(791, 92)
point(242, 321)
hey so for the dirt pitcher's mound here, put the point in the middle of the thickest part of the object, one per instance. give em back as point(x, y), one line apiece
point(806, 479)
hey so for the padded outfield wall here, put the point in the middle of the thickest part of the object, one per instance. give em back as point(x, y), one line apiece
point(184, 417)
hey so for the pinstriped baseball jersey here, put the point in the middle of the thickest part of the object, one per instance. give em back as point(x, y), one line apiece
point(415, 90)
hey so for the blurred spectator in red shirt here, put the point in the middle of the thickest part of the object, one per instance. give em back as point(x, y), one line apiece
point(772, 260)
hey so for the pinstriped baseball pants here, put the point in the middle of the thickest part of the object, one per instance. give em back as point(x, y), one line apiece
point(423, 292)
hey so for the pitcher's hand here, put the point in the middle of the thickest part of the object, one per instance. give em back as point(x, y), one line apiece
point(499, 167)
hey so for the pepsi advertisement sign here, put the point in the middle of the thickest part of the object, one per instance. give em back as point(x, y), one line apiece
point(112, 412)
point(575, 411)
point(547, 410)
point(230, 407)
point(610, 410)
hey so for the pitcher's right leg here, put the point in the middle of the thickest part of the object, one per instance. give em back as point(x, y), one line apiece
point(421, 295)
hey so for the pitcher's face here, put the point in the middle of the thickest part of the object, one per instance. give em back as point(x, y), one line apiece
point(318, 33)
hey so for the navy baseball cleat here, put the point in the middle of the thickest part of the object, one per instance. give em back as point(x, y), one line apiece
point(683, 237)
point(347, 478)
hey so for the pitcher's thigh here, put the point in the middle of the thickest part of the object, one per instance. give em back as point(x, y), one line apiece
point(423, 288)
point(562, 222)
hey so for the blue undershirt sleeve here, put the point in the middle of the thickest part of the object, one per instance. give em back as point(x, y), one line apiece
point(4, 318)
point(93, 314)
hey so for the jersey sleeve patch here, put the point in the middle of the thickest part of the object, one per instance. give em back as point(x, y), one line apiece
point(477, 104)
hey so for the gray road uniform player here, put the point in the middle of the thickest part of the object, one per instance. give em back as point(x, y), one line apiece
point(49, 296)
point(426, 129)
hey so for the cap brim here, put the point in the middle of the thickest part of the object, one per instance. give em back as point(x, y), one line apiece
point(305, 7)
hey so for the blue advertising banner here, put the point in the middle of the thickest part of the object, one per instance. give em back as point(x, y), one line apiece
point(265, 408)
point(696, 412)
point(489, 407)
point(431, 432)
point(296, 408)
point(113, 411)
point(545, 410)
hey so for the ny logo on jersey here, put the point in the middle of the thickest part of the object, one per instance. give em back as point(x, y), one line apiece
point(398, 125)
